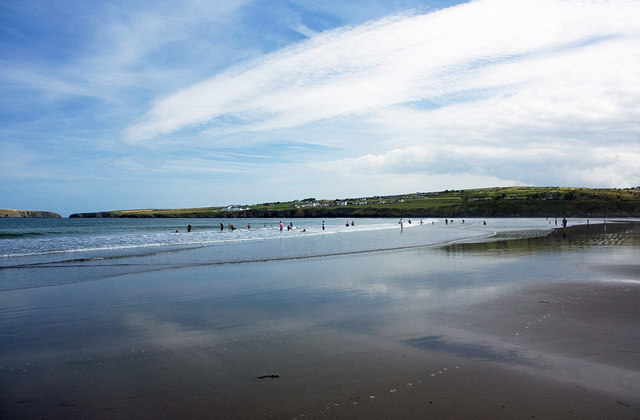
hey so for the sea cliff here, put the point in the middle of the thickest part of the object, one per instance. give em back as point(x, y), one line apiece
point(4, 213)
point(483, 202)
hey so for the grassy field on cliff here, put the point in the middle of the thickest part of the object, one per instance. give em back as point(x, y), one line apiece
point(11, 213)
point(483, 202)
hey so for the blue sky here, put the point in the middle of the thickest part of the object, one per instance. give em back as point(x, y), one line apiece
point(164, 104)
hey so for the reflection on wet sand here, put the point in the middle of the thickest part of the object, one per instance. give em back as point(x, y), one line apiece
point(468, 350)
point(576, 237)
point(541, 327)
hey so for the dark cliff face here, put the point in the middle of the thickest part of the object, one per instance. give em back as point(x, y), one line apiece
point(27, 213)
point(83, 215)
point(483, 202)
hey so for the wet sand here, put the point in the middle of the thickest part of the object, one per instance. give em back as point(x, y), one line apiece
point(544, 328)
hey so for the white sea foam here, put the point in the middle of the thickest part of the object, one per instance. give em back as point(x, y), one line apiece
point(33, 237)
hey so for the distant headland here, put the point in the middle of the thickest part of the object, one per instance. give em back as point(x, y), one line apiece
point(482, 202)
point(27, 213)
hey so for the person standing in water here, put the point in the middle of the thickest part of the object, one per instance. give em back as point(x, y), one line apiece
point(323, 225)
point(189, 228)
point(281, 226)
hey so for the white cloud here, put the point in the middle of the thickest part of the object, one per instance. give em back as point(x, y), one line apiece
point(544, 50)
point(493, 92)
point(569, 164)
point(124, 46)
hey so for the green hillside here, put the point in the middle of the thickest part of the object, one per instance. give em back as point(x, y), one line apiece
point(483, 202)
point(26, 213)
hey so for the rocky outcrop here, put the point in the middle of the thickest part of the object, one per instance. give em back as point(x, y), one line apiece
point(27, 213)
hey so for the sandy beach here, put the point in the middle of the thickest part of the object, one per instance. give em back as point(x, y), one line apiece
point(527, 328)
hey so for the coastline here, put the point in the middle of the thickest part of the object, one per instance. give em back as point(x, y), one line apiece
point(482, 203)
point(540, 327)
point(16, 214)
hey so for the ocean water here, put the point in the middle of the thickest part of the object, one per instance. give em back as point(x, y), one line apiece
point(21, 238)
point(44, 252)
point(39, 240)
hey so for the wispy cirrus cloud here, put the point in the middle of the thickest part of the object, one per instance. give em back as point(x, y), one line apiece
point(485, 49)
point(114, 47)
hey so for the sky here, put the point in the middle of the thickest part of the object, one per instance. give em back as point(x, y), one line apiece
point(175, 104)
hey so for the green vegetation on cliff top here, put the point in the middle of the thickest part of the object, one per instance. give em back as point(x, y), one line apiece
point(483, 202)
point(26, 213)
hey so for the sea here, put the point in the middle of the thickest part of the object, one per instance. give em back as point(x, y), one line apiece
point(34, 251)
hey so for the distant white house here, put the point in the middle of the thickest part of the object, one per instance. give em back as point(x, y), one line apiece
point(234, 208)
point(307, 204)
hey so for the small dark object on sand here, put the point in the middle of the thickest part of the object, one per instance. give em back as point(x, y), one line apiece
point(268, 376)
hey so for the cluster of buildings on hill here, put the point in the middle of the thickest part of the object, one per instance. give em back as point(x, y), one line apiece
point(327, 203)
point(312, 202)
point(355, 201)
